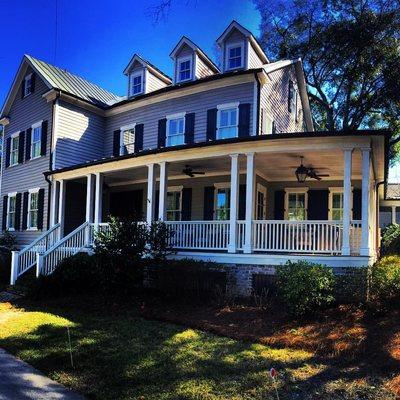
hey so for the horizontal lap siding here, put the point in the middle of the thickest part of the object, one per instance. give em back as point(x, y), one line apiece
point(197, 103)
point(274, 99)
point(153, 83)
point(202, 70)
point(80, 135)
point(29, 175)
point(254, 60)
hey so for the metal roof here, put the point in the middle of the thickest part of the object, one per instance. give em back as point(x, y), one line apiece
point(65, 81)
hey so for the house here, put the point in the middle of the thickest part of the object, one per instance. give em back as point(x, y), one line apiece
point(389, 207)
point(226, 155)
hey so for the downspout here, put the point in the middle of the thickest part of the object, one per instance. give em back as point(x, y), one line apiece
point(377, 238)
point(258, 104)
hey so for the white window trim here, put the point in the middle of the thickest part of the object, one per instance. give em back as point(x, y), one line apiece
point(338, 189)
point(30, 191)
point(230, 46)
point(171, 189)
point(227, 106)
point(36, 125)
point(27, 78)
point(219, 185)
point(121, 136)
point(261, 188)
point(13, 136)
point(178, 71)
point(267, 115)
point(131, 77)
point(9, 195)
point(175, 116)
point(301, 190)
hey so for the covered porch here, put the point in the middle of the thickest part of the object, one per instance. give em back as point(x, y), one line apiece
point(242, 206)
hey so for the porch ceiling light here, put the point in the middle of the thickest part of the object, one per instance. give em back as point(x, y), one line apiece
point(301, 172)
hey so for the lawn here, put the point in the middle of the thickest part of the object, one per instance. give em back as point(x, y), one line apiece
point(117, 354)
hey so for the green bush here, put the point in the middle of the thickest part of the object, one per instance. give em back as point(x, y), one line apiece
point(385, 283)
point(7, 244)
point(351, 286)
point(159, 236)
point(390, 243)
point(304, 287)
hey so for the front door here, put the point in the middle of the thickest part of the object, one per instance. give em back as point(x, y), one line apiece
point(127, 204)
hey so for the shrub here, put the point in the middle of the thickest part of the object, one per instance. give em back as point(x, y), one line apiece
point(351, 286)
point(74, 275)
point(7, 244)
point(159, 236)
point(303, 286)
point(189, 279)
point(385, 283)
point(390, 243)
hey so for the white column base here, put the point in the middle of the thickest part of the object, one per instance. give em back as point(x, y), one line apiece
point(14, 267)
point(247, 249)
point(365, 251)
point(345, 251)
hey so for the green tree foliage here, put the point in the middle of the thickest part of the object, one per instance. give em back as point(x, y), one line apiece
point(351, 55)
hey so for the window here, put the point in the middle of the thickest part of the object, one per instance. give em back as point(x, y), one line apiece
point(261, 202)
point(222, 202)
point(28, 85)
point(33, 208)
point(127, 140)
point(267, 123)
point(295, 204)
point(36, 140)
point(11, 206)
point(235, 56)
point(136, 83)
point(292, 100)
point(14, 149)
point(336, 204)
point(174, 204)
point(227, 121)
point(184, 69)
point(175, 129)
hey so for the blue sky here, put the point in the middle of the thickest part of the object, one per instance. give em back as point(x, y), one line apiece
point(96, 39)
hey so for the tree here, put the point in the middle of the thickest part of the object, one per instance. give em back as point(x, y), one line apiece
point(351, 55)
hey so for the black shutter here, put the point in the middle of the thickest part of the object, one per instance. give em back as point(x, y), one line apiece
point(21, 147)
point(317, 205)
point(186, 204)
point(23, 88)
point(43, 139)
point(211, 124)
point(5, 204)
point(290, 95)
point(242, 202)
point(208, 211)
point(162, 132)
point(244, 120)
point(40, 209)
point(189, 128)
point(357, 204)
point(32, 83)
point(156, 204)
point(116, 142)
point(18, 211)
point(8, 150)
point(279, 206)
point(25, 211)
point(139, 137)
point(28, 144)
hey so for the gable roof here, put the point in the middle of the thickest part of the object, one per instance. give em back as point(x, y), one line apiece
point(60, 79)
point(257, 47)
point(156, 71)
point(186, 41)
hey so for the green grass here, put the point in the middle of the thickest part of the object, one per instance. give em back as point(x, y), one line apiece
point(118, 355)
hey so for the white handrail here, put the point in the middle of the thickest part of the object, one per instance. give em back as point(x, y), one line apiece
point(71, 244)
point(25, 259)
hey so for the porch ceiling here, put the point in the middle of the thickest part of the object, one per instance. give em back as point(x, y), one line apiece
point(273, 167)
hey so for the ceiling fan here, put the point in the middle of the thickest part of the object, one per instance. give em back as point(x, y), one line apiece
point(302, 172)
point(189, 171)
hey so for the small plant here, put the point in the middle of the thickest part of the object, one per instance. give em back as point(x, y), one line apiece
point(304, 287)
point(391, 240)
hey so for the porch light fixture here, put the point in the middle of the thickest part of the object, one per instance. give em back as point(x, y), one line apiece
point(301, 172)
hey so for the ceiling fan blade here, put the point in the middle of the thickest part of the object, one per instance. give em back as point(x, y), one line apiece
point(198, 172)
point(323, 175)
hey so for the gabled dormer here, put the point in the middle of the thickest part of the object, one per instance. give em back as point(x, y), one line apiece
point(144, 77)
point(190, 62)
point(240, 49)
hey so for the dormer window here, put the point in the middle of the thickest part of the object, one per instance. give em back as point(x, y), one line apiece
point(184, 69)
point(234, 56)
point(136, 83)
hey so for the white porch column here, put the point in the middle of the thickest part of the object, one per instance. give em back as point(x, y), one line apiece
point(365, 198)
point(248, 245)
point(234, 203)
point(89, 198)
point(393, 214)
point(53, 203)
point(61, 206)
point(150, 193)
point(162, 203)
point(346, 201)
point(98, 202)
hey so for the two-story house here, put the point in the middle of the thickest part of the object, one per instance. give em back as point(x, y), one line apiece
point(226, 155)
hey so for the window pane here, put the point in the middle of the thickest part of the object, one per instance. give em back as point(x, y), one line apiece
point(336, 200)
